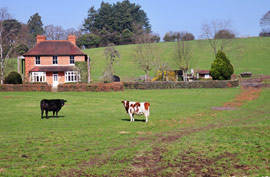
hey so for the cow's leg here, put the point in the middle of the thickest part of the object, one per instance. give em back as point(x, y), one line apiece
point(57, 114)
point(131, 117)
point(53, 113)
point(47, 114)
point(146, 116)
point(42, 113)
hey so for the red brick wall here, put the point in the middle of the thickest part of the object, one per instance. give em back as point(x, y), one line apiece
point(49, 77)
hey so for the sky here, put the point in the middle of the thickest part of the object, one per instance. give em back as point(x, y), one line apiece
point(164, 15)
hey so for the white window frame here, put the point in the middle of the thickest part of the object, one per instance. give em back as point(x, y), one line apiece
point(37, 58)
point(55, 59)
point(72, 58)
point(72, 76)
point(38, 76)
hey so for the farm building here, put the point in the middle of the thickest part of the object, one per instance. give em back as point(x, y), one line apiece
point(203, 74)
point(53, 61)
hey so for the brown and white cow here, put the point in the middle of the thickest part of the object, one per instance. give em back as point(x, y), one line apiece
point(137, 108)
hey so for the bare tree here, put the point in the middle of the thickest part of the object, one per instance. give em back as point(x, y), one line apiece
point(146, 54)
point(182, 57)
point(112, 55)
point(265, 24)
point(54, 32)
point(209, 31)
point(6, 39)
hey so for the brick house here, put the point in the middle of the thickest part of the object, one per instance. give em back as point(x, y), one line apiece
point(53, 61)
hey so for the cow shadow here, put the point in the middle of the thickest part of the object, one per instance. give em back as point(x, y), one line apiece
point(136, 120)
point(52, 117)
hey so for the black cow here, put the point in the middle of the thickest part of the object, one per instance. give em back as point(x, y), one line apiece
point(51, 105)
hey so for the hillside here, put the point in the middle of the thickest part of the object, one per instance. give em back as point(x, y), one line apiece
point(246, 54)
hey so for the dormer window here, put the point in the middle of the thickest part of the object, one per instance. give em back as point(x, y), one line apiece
point(55, 60)
point(72, 60)
point(37, 60)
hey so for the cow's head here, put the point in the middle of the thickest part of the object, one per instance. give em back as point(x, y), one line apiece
point(63, 102)
point(126, 104)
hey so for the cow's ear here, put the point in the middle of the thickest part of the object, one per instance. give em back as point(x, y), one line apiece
point(122, 101)
point(65, 100)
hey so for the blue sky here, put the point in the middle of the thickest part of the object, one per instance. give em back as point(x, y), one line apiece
point(164, 16)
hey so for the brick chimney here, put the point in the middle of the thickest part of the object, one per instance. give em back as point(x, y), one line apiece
point(40, 38)
point(72, 39)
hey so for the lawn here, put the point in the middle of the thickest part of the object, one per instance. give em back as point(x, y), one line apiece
point(93, 134)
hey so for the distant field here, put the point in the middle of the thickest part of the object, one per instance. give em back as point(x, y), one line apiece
point(247, 54)
point(93, 136)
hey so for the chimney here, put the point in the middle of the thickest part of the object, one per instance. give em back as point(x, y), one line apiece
point(72, 39)
point(40, 38)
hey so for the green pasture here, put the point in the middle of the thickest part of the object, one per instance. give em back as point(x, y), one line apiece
point(93, 135)
point(246, 54)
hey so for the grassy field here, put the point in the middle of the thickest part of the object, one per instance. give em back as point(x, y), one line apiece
point(247, 54)
point(93, 135)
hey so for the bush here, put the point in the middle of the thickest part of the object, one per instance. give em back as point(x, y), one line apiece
point(83, 70)
point(13, 78)
point(88, 40)
point(221, 68)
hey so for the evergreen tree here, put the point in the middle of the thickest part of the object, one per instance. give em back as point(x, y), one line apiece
point(89, 22)
point(221, 68)
point(35, 25)
point(116, 18)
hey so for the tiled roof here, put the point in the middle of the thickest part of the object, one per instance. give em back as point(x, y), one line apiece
point(59, 47)
point(53, 68)
point(203, 71)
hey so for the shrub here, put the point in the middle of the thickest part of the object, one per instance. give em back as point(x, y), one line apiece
point(13, 78)
point(83, 70)
point(221, 68)
point(88, 40)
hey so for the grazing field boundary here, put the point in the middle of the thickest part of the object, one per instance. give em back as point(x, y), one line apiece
point(25, 87)
point(119, 86)
point(179, 85)
point(98, 87)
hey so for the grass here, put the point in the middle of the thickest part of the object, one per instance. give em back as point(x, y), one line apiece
point(86, 139)
point(246, 54)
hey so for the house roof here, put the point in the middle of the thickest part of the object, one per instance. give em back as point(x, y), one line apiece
point(203, 71)
point(54, 47)
point(53, 68)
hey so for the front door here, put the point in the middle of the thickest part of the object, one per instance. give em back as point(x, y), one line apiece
point(55, 79)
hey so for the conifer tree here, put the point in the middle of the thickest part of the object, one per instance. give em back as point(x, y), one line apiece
point(221, 68)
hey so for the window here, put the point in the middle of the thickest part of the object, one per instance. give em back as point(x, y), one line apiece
point(72, 76)
point(37, 60)
point(38, 76)
point(55, 60)
point(71, 60)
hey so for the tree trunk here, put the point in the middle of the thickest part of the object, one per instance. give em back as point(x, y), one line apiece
point(2, 71)
point(88, 70)
point(147, 76)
